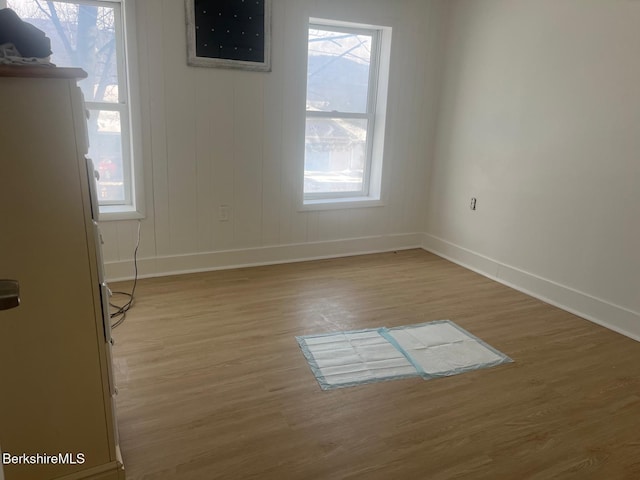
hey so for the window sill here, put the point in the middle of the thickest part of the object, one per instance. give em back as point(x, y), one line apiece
point(340, 203)
point(109, 213)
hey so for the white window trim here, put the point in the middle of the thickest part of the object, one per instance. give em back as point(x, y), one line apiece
point(369, 115)
point(131, 131)
point(372, 194)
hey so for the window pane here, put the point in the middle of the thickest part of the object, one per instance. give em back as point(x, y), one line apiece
point(106, 152)
point(335, 155)
point(81, 36)
point(338, 71)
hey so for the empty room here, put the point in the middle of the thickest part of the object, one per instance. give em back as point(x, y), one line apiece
point(319, 239)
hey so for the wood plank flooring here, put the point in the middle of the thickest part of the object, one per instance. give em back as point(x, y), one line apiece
point(212, 384)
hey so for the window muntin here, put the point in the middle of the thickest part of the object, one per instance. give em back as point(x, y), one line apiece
point(89, 34)
point(342, 70)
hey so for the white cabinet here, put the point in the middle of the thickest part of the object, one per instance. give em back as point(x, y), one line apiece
point(55, 363)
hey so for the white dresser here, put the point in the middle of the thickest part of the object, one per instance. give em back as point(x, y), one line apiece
point(56, 383)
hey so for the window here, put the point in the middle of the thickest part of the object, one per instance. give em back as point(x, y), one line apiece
point(344, 107)
point(90, 34)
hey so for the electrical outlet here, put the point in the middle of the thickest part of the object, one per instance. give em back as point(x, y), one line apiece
point(223, 213)
point(473, 203)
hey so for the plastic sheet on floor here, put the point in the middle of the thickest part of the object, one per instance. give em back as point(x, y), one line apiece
point(345, 359)
point(429, 350)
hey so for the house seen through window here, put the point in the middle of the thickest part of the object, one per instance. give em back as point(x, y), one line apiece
point(342, 74)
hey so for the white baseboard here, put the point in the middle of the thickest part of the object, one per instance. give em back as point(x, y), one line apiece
point(596, 310)
point(602, 312)
point(251, 257)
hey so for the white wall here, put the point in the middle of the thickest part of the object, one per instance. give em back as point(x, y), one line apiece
point(540, 120)
point(215, 136)
point(538, 117)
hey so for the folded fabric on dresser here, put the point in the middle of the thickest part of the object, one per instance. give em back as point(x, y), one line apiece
point(21, 42)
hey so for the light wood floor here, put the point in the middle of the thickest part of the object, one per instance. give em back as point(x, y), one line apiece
point(213, 385)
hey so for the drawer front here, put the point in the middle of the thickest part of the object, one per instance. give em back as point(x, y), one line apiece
point(93, 178)
point(106, 316)
point(97, 235)
point(106, 320)
point(112, 382)
point(81, 120)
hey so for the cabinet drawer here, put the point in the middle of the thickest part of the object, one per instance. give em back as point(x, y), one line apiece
point(112, 381)
point(92, 175)
point(97, 235)
point(106, 316)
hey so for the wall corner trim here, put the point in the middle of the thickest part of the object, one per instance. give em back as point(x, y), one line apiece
point(599, 311)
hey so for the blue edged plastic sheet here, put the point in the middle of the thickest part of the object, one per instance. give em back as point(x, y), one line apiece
point(345, 359)
point(429, 350)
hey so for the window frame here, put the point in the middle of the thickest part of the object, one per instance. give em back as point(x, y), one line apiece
point(129, 103)
point(128, 108)
point(122, 106)
point(371, 114)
